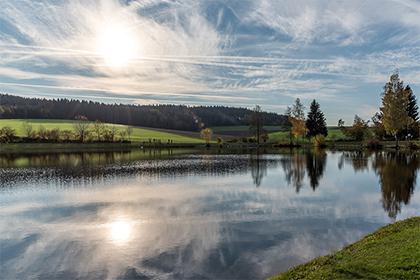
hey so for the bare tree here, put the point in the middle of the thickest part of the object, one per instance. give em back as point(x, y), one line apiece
point(123, 134)
point(206, 134)
point(81, 128)
point(256, 123)
point(129, 131)
point(98, 129)
point(29, 131)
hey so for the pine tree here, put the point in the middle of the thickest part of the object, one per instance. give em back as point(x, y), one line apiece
point(394, 107)
point(412, 130)
point(315, 123)
point(412, 108)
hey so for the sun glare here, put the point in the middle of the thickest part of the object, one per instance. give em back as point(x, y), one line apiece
point(117, 45)
point(120, 231)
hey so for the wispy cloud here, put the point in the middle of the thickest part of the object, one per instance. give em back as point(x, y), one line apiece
point(200, 52)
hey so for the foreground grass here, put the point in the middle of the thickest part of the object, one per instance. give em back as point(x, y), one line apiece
point(392, 252)
point(138, 135)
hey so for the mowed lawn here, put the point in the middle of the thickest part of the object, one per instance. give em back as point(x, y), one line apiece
point(138, 134)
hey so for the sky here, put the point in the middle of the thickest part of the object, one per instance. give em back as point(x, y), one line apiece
point(211, 52)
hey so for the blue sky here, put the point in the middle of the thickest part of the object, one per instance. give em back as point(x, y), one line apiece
point(197, 52)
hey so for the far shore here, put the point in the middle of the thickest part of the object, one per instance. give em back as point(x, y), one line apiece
point(62, 147)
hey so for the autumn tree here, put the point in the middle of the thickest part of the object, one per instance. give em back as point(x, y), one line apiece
point(358, 130)
point(395, 102)
point(315, 123)
point(288, 124)
point(297, 119)
point(378, 127)
point(206, 134)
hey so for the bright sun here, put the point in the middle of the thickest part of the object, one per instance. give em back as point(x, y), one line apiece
point(117, 45)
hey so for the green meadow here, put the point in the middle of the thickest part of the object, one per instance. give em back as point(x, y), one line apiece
point(138, 134)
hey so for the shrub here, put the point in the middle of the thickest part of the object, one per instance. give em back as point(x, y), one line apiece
point(53, 134)
point(67, 135)
point(413, 146)
point(373, 144)
point(7, 134)
point(265, 137)
point(319, 141)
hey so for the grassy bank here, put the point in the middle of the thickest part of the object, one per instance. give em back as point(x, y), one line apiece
point(138, 134)
point(392, 252)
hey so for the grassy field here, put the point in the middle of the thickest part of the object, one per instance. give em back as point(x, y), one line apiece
point(334, 134)
point(392, 252)
point(139, 134)
point(242, 128)
point(276, 133)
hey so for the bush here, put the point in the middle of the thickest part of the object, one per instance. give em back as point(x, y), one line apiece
point(374, 144)
point(67, 135)
point(319, 141)
point(413, 146)
point(7, 135)
point(53, 134)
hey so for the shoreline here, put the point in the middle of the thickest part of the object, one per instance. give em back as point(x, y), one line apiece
point(63, 147)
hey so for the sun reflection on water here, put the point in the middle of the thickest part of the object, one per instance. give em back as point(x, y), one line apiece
point(120, 231)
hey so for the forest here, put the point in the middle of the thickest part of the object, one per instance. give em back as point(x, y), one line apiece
point(179, 117)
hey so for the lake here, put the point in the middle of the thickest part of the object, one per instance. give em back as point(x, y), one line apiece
point(174, 214)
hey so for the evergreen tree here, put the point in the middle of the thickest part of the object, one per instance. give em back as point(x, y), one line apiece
point(315, 122)
point(412, 108)
point(412, 130)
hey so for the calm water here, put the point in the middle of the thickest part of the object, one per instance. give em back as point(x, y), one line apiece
point(174, 215)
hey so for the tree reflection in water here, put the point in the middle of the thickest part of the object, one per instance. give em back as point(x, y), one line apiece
point(315, 166)
point(299, 162)
point(397, 177)
point(258, 168)
point(396, 171)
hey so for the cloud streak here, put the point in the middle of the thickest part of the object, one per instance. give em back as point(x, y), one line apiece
point(200, 52)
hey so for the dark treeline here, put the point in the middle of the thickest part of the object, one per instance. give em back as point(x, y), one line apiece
point(178, 117)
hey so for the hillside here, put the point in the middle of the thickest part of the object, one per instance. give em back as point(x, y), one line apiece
point(138, 134)
point(177, 117)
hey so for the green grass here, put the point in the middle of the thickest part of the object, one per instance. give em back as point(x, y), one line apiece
point(392, 252)
point(242, 128)
point(334, 134)
point(138, 134)
point(277, 133)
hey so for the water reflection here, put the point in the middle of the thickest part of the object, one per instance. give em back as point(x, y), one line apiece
point(258, 168)
point(120, 231)
point(299, 163)
point(397, 177)
point(315, 165)
point(183, 216)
